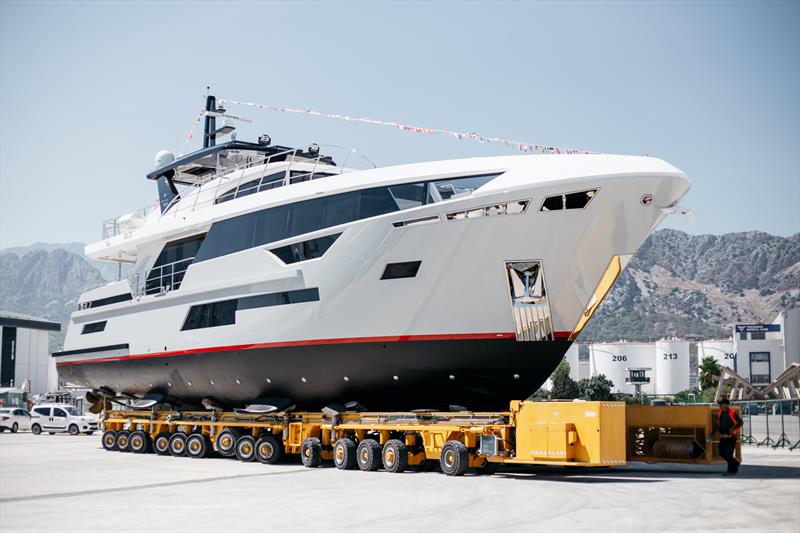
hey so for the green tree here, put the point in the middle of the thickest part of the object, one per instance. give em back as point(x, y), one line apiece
point(709, 368)
point(595, 388)
point(564, 387)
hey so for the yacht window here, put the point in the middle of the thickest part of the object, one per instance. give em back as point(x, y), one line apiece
point(279, 298)
point(172, 262)
point(341, 209)
point(408, 195)
point(272, 225)
point(238, 234)
point(375, 202)
point(211, 315)
point(302, 251)
point(457, 187)
point(307, 216)
point(407, 269)
point(253, 186)
point(94, 327)
point(573, 200)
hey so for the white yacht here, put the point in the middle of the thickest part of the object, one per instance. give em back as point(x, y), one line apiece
point(281, 273)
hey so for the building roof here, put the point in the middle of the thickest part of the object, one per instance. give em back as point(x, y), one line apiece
point(18, 320)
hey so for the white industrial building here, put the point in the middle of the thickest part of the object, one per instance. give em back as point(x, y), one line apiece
point(25, 353)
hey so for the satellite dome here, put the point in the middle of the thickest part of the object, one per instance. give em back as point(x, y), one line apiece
point(163, 158)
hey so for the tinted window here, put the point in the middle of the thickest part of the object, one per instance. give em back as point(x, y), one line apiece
point(456, 187)
point(408, 195)
point(374, 202)
point(302, 251)
point(238, 234)
point(578, 200)
point(341, 209)
point(271, 225)
point(306, 217)
point(59, 412)
point(279, 298)
point(758, 336)
point(211, 315)
point(407, 269)
point(44, 411)
point(179, 250)
point(94, 327)
point(172, 262)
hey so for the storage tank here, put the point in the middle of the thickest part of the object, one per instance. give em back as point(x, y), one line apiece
point(572, 359)
point(612, 360)
point(672, 366)
point(721, 350)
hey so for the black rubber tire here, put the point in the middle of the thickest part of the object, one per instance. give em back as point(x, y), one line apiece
point(269, 450)
point(109, 440)
point(454, 459)
point(74, 430)
point(36, 429)
point(161, 443)
point(51, 432)
point(225, 443)
point(246, 448)
point(394, 456)
point(2, 430)
point(311, 452)
point(197, 446)
point(368, 456)
point(344, 454)
point(122, 440)
point(177, 444)
point(14, 427)
point(139, 442)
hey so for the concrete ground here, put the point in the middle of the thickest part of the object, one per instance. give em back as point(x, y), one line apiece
point(63, 483)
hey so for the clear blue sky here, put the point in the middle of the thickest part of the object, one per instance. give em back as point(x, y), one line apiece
point(89, 92)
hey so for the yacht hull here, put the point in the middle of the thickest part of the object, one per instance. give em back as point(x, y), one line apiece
point(480, 374)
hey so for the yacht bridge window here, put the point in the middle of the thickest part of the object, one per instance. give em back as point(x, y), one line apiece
point(171, 264)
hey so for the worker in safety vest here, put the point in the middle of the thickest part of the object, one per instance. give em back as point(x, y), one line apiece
point(728, 424)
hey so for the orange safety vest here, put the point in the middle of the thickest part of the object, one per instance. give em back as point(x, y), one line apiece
point(733, 419)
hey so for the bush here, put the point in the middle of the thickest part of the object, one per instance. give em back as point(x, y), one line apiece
point(564, 387)
point(595, 388)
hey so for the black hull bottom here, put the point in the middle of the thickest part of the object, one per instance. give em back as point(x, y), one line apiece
point(478, 374)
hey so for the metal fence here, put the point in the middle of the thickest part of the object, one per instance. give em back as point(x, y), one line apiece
point(774, 423)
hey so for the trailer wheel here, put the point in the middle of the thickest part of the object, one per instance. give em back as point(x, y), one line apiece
point(109, 439)
point(344, 454)
point(139, 442)
point(161, 443)
point(395, 456)
point(369, 455)
point(226, 442)
point(122, 440)
point(246, 448)
point(269, 450)
point(454, 459)
point(311, 452)
point(197, 446)
point(177, 444)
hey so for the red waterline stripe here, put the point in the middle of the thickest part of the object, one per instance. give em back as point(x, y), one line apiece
point(314, 342)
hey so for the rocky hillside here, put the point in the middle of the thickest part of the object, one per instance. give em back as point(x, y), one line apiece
point(45, 284)
point(680, 284)
point(109, 271)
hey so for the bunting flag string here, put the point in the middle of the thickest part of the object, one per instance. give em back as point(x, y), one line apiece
point(517, 145)
point(191, 131)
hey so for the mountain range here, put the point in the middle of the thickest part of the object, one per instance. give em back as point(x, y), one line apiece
point(676, 285)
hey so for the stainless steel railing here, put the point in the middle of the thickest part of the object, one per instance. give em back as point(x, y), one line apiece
point(160, 279)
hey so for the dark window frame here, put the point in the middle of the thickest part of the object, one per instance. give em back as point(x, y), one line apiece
point(564, 200)
point(401, 270)
point(94, 327)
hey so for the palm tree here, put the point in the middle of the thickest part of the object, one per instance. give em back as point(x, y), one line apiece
point(708, 369)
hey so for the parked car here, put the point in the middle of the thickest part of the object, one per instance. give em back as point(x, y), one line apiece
point(58, 418)
point(14, 419)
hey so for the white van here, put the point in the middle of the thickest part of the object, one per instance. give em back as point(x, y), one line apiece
point(58, 418)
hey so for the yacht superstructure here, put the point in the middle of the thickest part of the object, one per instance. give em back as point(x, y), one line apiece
point(282, 273)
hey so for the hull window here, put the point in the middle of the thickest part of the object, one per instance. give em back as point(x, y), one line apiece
point(408, 269)
point(573, 200)
point(529, 304)
point(94, 327)
point(223, 313)
point(303, 251)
